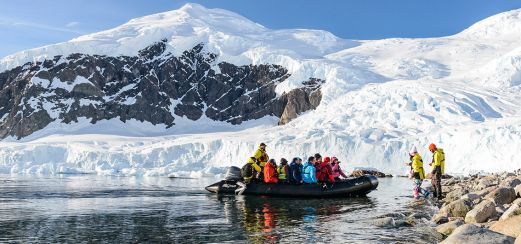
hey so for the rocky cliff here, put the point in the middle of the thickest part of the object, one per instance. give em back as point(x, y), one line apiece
point(154, 86)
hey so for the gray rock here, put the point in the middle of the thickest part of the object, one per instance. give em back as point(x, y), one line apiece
point(472, 197)
point(511, 182)
point(513, 210)
point(458, 208)
point(481, 212)
point(440, 218)
point(448, 228)
point(517, 189)
point(502, 195)
point(469, 233)
point(455, 194)
point(386, 222)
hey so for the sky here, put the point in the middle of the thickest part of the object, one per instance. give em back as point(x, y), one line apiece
point(26, 24)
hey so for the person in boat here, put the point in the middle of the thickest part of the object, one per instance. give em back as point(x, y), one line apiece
point(417, 173)
point(438, 169)
point(309, 171)
point(325, 171)
point(261, 156)
point(337, 171)
point(270, 172)
point(295, 171)
point(251, 170)
point(283, 170)
point(318, 159)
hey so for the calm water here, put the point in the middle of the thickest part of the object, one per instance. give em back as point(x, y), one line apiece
point(128, 209)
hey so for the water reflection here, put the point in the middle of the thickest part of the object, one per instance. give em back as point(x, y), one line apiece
point(270, 220)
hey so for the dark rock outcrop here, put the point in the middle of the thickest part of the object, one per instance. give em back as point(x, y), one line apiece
point(153, 86)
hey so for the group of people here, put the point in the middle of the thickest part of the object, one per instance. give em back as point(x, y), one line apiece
point(316, 169)
point(418, 173)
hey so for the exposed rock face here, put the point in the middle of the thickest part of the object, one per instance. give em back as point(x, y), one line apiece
point(470, 233)
point(153, 86)
point(481, 212)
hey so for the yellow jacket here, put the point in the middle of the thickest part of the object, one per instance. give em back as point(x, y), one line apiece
point(417, 165)
point(438, 159)
point(256, 167)
point(261, 156)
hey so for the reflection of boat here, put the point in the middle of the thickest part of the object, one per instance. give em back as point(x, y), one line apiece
point(358, 186)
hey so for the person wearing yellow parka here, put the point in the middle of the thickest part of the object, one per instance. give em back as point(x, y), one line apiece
point(438, 169)
point(418, 173)
point(261, 156)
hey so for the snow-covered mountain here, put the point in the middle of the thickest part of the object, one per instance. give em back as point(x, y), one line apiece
point(377, 98)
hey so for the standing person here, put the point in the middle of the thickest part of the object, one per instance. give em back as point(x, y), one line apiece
point(438, 169)
point(250, 170)
point(283, 170)
point(325, 171)
point(295, 171)
point(337, 171)
point(309, 171)
point(418, 173)
point(270, 172)
point(261, 156)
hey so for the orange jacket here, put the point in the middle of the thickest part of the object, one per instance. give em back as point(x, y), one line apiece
point(270, 174)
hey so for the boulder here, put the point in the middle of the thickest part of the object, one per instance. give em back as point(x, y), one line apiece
point(472, 197)
point(517, 189)
point(510, 227)
point(487, 181)
point(440, 218)
point(447, 228)
point(455, 194)
point(458, 208)
point(502, 195)
point(518, 240)
point(481, 212)
point(485, 191)
point(469, 233)
point(362, 172)
point(386, 222)
point(513, 210)
point(511, 182)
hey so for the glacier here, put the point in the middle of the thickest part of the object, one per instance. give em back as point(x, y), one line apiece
point(381, 97)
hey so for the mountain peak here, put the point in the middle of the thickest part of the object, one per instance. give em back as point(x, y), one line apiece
point(502, 26)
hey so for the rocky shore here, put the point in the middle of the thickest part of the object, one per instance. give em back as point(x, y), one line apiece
point(481, 209)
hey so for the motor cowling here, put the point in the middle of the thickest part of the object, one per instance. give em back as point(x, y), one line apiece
point(233, 173)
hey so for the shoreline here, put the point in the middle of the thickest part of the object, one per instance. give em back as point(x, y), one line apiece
point(480, 208)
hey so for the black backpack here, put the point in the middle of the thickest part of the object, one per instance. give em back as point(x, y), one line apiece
point(247, 171)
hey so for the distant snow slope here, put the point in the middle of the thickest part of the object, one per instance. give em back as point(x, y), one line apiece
point(380, 98)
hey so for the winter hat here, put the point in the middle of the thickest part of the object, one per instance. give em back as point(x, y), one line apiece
point(317, 156)
point(327, 160)
point(432, 147)
point(413, 151)
point(333, 159)
point(283, 161)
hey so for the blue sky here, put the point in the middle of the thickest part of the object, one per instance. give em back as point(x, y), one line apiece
point(28, 24)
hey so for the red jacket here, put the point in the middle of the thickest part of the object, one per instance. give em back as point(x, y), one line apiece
point(270, 174)
point(325, 172)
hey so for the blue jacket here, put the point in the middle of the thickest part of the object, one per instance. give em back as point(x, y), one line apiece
point(295, 172)
point(309, 173)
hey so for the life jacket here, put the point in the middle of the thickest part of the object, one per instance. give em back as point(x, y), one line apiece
point(270, 174)
point(281, 171)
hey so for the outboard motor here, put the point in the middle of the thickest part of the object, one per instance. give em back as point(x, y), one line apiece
point(233, 174)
